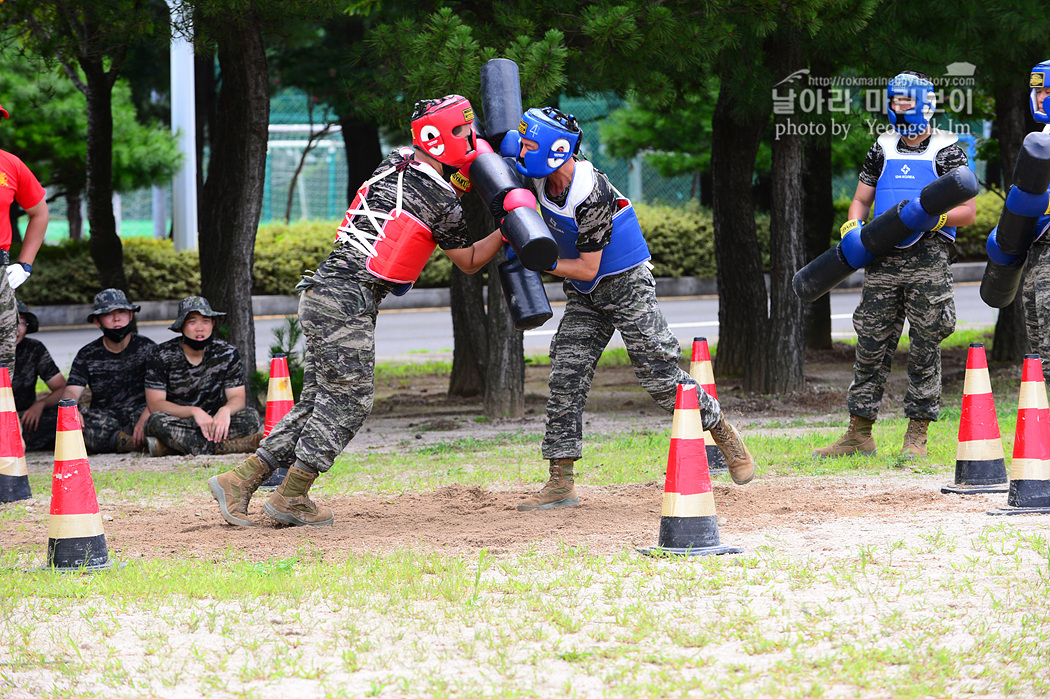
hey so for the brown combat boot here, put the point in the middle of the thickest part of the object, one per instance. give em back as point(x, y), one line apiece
point(159, 448)
point(738, 458)
point(291, 503)
point(233, 489)
point(858, 439)
point(126, 444)
point(239, 445)
point(559, 491)
point(915, 439)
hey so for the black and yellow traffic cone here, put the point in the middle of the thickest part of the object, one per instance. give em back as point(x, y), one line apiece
point(75, 538)
point(980, 466)
point(1030, 468)
point(703, 373)
point(688, 524)
point(279, 402)
point(14, 476)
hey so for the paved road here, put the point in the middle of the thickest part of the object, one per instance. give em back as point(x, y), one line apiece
point(416, 335)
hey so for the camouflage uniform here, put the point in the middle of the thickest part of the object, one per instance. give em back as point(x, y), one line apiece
point(8, 321)
point(338, 314)
point(117, 394)
point(913, 283)
point(625, 302)
point(32, 360)
point(1036, 295)
point(203, 386)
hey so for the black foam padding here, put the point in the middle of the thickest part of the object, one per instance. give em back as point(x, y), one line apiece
point(1016, 232)
point(14, 488)
point(78, 552)
point(821, 275)
point(688, 532)
point(1032, 169)
point(500, 98)
point(526, 232)
point(980, 472)
point(1000, 282)
point(886, 232)
point(526, 297)
point(492, 178)
point(1029, 493)
point(949, 191)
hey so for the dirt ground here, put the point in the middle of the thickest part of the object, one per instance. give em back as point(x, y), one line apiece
point(463, 519)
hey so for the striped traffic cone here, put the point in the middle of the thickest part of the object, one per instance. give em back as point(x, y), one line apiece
point(14, 476)
point(75, 539)
point(279, 402)
point(980, 466)
point(702, 372)
point(1030, 469)
point(688, 524)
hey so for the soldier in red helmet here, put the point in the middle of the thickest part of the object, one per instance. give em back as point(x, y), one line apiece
point(399, 216)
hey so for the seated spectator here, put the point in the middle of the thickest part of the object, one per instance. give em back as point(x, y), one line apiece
point(114, 366)
point(39, 417)
point(195, 390)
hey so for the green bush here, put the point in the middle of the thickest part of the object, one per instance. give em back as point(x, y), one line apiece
point(284, 251)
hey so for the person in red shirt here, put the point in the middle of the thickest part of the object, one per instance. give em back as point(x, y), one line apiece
point(17, 184)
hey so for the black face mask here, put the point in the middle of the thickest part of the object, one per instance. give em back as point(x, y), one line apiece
point(197, 344)
point(116, 334)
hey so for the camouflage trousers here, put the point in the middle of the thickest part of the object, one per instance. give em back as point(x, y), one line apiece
point(1036, 300)
point(102, 425)
point(624, 302)
point(8, 323)
point(914, 284)
point(339, 321)
point(183, 435)
point(43, 437)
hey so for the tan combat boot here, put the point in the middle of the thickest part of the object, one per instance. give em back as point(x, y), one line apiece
point(915, 439)
point(159, 448)
point(559, 491)
point(291, 503)
point(234, 489)
point(858, 439)
point(239, 445)
point(126, 444)
point(738, 458)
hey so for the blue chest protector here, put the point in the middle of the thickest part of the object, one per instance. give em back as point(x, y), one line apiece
point(905, 174)
point(626, 249)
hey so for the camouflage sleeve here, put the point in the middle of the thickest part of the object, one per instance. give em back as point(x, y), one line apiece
point(594, 216)
point(156, 369)
point(450, 230)
point(873, 163)
point(234, 370)
point(46, 368)
point(79, 373)
point(950, 158)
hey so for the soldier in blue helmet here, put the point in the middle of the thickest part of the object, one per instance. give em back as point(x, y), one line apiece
point(1036, 292)
point(604, 260)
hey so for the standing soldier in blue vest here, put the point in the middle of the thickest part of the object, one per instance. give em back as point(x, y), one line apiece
point(912, 282)
point(604, 260)
point(1036, 292)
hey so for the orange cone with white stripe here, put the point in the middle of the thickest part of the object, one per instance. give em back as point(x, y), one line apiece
point(279, 402)
point(1030, 469)
point(703, 373)
point(980, 466)
point(14, 476)
point(75, 539)
point(688, 524)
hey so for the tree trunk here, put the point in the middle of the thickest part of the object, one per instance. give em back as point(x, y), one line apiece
point(233, 191)
point(363, 152)
point(818, 220)
point(76, 221)
point(104, 244)
point(741, 289)
point(505, 365)
point(1010, 341)
point(470, 347)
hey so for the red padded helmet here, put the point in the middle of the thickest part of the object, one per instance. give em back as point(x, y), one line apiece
point(432, 124)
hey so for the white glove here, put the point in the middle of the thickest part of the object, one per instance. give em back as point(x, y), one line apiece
point(16, 275)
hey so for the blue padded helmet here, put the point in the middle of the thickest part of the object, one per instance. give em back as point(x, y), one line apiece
point(558, 136)
point(918, 87)
point(1040, 78)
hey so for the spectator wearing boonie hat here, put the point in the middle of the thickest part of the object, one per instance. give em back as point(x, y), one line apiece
point(39, 417)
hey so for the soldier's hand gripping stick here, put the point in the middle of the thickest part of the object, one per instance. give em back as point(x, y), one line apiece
point(1008, 243)
point(861, 244)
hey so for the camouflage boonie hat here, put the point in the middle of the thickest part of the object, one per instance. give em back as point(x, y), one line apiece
point(189, 305)
point(111, 300)
point(32, 322)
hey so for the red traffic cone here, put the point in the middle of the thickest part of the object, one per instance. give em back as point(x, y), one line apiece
point(702, 372)
point(1030, 469)
point(75, 539)
point(980, 466)
point(279, 402)
point(14, 476)
point(688, 524)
